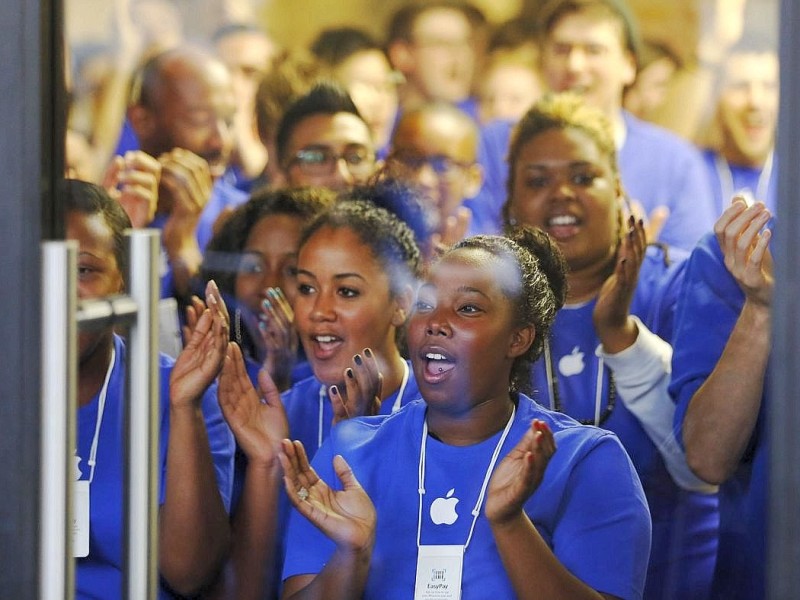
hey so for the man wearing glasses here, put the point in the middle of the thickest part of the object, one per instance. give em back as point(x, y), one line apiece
point(323, 141)
point(435, 148)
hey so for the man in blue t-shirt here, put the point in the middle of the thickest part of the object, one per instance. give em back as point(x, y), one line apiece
point(181, 112)
point(590, 47)
point(742, 161)
point(437, 47)
point(722, 349)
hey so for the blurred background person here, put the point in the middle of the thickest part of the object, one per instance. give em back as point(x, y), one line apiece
point(248, 52)
point(647, 94)
point(740, 153)
point(438, 46)
point(354, 59)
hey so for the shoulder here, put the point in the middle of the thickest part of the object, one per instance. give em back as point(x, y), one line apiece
point(641, 132)
point(304, 388)
point(562, 425)
point(379, 429)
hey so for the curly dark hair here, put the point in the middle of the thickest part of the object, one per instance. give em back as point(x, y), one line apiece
point(223, 253)
point(541, 289)
point(389, 238)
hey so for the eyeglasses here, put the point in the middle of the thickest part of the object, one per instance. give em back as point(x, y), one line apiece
point(444, 166)
point(321, 161)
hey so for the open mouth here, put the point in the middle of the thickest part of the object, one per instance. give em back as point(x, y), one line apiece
point(437, 366)
point(562, 226)
point(325, 345)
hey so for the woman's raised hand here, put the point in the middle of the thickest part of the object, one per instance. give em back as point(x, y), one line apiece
point(347, 517)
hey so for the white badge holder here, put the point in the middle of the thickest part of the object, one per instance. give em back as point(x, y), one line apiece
point(439, 570)
point(80, 519)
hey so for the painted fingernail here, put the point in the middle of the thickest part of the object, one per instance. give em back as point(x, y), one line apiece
point(349, 373)
point(271, 292)
point(357, 359)
point(262, 325)
point(267, 304)
point(334, 390)
point(367, 352)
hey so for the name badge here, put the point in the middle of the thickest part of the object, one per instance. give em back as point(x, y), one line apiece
point(439, 573)
point(80, 519)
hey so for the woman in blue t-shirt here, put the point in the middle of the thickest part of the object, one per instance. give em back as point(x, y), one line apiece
point(608, 360)
point(196, 446)
point(357, 268)
point(473, 491)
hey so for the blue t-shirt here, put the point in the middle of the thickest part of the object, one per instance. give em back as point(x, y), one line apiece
point(684, 523)
point(100, 574)
point(657, 168)
point(741, 179)
point(310, 412)
point(224, 195)
point(589, 507)
point(709, 305)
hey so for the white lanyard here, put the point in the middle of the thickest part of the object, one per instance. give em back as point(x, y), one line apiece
point(101, 407)
point(323, 393)
point(399, 400)
point(477, 510)
point(555, 401)
point(725, 177)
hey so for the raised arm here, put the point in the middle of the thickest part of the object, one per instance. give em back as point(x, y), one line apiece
point(185, 189)
point(194, 533)
point(639, 359)
point(259, 423)
point(722, 414)
point(347, 517)
point(525, 555)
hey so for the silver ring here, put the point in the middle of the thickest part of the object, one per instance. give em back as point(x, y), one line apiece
point(302, 493)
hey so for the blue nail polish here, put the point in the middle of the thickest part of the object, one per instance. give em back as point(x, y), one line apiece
point(357, 359)
point(349, 373)
point(334, 390)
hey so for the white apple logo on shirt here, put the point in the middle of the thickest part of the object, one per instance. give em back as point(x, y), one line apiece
point(572, 363)
point(443, 510)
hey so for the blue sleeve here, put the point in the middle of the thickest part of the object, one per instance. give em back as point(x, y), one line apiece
point(220, 438)
point(604, 531)
point(307, 548)
point(708, 306)
point(692, 211)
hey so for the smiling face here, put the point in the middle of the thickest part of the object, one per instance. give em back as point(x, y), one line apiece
point(566, 186)
point(269, 257)
point(748, 107)
point(463, 336)
point(584, 52)
point(193, 109)
point(344, 303)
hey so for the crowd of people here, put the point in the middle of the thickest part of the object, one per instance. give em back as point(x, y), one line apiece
point(456, 319)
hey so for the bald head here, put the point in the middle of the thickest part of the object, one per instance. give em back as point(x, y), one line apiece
point(184, 98)
point(438, 125)
point(435, 146)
